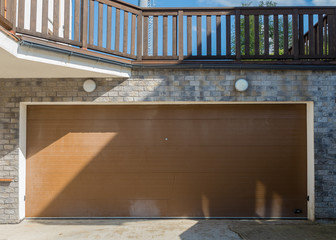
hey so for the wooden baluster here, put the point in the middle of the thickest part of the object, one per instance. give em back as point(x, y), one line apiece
point(238, 46)
point(180, 15)
point(109, 28)
point(247, 34)
point(155, 36)
point(266, 34)
point(117, 30)
point(100, 24)
point(145, 37)
point(301, 35)
point(13, 14)
point(8, 14)
point(320, 35)
point(91, 27)
point(209, 35)
point(174, 36)
point(139, 36)
point(125, 43)
point(21, 14)
point(332, 34)
point(56, 18)
point(189, 33)
point(45, 17)
point(66, 18)
point(276, 35)
point(219, 35)
point(296, 34)
point(286, 47)
point(256, 35)
point(133, 34)
point(325, 36)
point(33, 6)
point(329, 34)
point(199, 35)
point(77, 14)
point(311, 36)
point(165, 34)
point(228, 35)
point(316, 36)
point(84, 24)
point(2, 8)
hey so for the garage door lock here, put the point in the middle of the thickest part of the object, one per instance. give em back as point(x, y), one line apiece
point(298, 211)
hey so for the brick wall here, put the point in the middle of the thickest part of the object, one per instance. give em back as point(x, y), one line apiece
point(178, 85)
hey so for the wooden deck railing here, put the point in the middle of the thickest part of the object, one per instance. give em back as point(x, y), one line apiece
point(244, 33)
point(125, 30)
point(7, 13)
point(319, 45)
point(316, 39)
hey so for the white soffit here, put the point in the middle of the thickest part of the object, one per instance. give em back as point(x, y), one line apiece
point(18, 61)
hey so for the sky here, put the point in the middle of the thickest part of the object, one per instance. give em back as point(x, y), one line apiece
point(230, 3)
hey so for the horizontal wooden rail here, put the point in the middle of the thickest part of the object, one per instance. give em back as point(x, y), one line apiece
point(143, 34)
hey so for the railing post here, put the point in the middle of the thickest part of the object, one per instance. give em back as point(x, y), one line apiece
point(14, 14)
point(11, 13)
point(180, 35)
point(139, 36)
point(6, 15)
point(238, 47)
point(84, 23)
point(3, 8)
point(21, 14)
point(296, 33)
point(333, 35)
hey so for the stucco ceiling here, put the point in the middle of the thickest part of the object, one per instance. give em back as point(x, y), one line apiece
point(20, 61)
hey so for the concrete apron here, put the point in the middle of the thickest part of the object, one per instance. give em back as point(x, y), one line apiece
point(166, 229)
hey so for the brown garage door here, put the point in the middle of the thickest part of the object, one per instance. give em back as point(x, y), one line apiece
point(246, 160)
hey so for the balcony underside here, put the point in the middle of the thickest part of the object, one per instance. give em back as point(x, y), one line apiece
point(38, 59)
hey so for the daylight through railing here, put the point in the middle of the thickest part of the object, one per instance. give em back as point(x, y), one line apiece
point(125, 30)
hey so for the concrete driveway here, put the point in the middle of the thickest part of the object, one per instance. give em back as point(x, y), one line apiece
point(166, 229)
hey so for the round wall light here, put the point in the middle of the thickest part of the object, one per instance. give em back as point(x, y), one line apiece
point(241, 85)
point(89, 86)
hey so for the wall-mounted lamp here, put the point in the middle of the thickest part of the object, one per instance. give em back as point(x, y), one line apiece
point(89, 86)
point(241, 85)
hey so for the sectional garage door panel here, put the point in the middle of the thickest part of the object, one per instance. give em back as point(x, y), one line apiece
point(242, 160)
